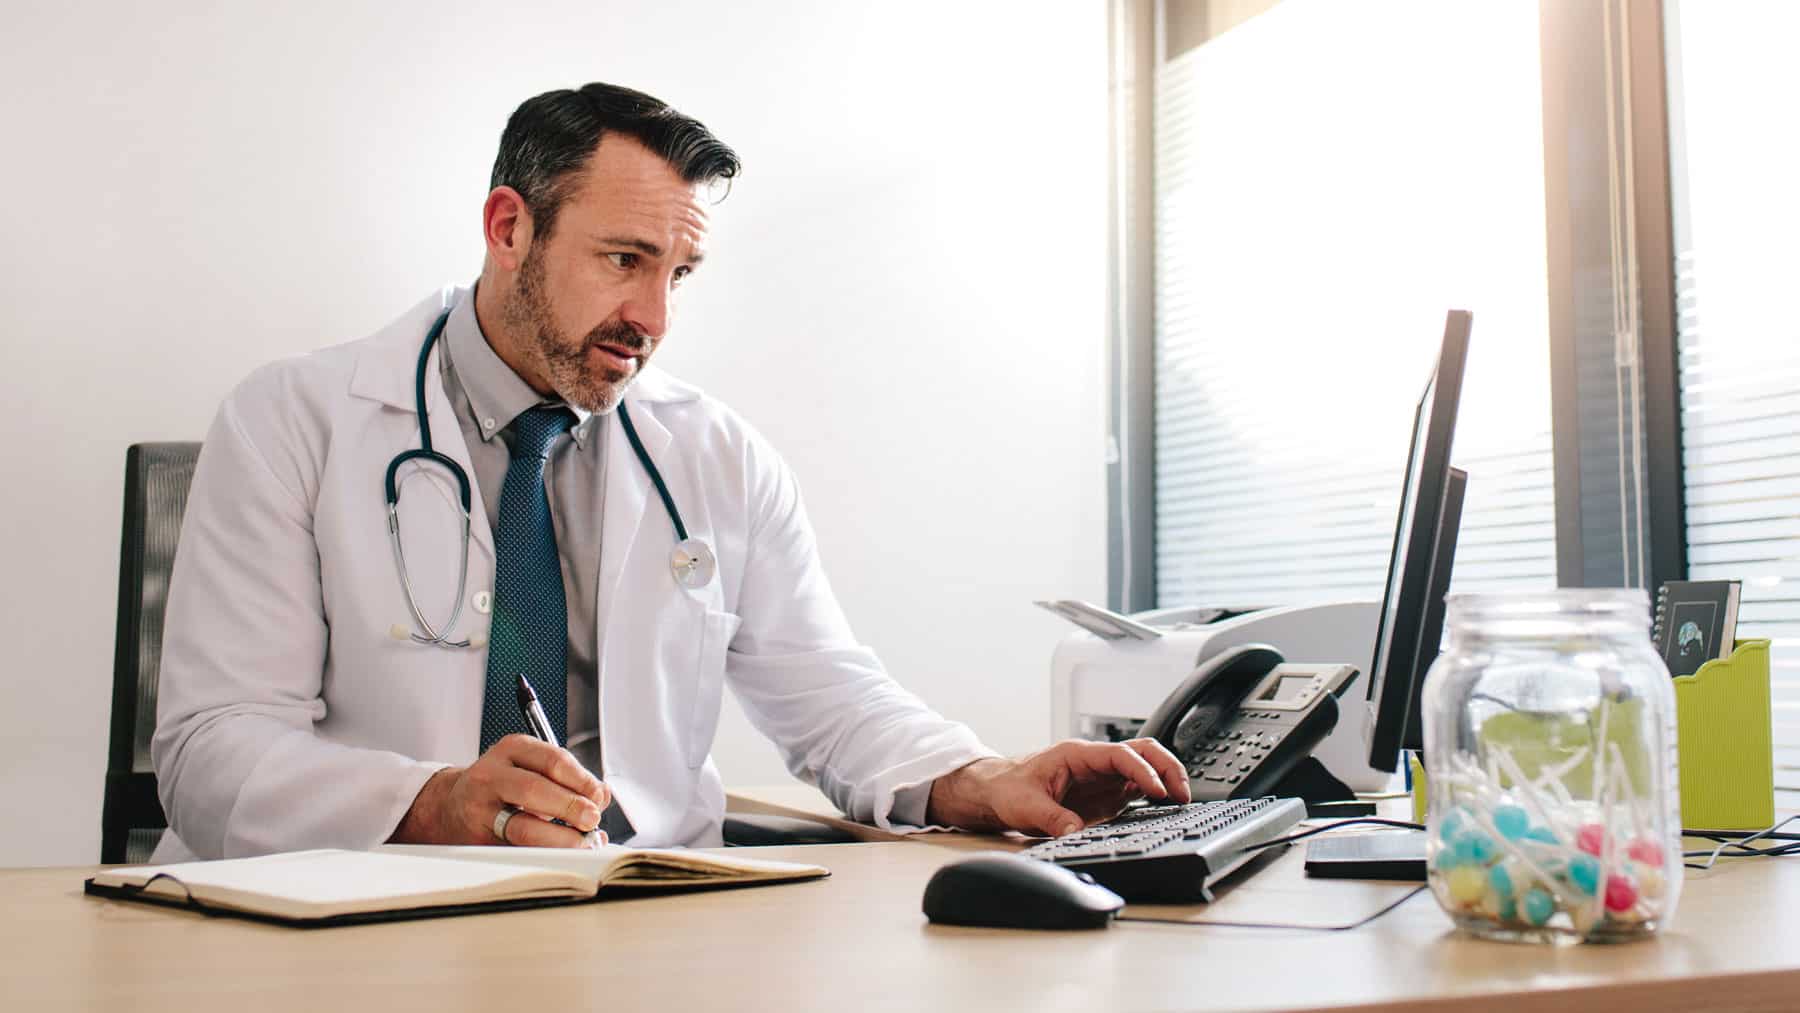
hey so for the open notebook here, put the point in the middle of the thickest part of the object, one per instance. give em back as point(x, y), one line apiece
point(422, 881)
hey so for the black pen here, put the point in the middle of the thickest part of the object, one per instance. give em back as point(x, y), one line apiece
point(539, 724)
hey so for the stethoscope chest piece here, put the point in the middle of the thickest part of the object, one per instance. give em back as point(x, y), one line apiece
point(693, 563)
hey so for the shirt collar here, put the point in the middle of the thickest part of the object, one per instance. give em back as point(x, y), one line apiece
point(496, 394)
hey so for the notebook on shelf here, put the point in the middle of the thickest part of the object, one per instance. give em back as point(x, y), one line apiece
point(1696, 621)
point(328, 887)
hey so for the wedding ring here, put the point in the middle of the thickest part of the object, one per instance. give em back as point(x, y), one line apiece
point(501, 819)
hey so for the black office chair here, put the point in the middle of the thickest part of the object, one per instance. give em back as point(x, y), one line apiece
point(157, 476)
point(156, 488)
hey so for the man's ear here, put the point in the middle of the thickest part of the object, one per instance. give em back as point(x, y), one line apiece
point(506, 225)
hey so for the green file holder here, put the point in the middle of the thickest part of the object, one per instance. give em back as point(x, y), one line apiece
point(1726, 749)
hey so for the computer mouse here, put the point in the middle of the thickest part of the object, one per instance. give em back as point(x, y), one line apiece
point(1010, 891)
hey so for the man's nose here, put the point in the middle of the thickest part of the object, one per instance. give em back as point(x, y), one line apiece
point(648, 308)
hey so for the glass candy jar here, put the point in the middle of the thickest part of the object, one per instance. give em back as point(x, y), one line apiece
point(1549, 726)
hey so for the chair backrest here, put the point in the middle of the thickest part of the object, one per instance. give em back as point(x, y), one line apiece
point(157, 476)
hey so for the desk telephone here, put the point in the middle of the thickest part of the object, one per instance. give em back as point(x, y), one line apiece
point(1245, 723)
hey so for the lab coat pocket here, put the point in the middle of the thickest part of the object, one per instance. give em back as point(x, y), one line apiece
point(716, 631)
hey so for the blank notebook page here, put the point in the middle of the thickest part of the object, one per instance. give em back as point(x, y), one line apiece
point(332, 878)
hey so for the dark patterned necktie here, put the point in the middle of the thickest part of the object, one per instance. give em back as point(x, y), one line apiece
point(530, 631)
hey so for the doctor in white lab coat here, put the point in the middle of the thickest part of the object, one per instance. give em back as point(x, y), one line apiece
point(291, 716)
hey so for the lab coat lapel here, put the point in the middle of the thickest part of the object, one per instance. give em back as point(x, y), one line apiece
point(629, 496)
point(387, 372)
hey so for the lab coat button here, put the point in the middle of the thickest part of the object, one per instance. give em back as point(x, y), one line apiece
point(483, 601)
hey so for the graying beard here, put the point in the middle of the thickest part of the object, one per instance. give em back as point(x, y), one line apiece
point(567, 377)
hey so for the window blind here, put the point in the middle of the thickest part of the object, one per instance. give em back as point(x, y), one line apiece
point(1738, 344)
point(1330, 179)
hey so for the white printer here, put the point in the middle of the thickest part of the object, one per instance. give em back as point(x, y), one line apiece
point(1111, 674)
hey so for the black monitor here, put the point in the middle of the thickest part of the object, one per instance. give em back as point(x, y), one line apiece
point(1431, 634)
point(1409, 596)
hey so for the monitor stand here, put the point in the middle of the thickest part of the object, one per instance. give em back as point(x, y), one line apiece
point(1380, 854)
point(1325, 796)
point(1389, 854)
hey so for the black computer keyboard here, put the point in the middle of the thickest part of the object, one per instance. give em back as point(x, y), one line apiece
point(1173, 854)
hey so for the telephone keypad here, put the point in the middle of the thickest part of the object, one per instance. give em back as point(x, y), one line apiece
point(1244, 742)
point(1281, 723)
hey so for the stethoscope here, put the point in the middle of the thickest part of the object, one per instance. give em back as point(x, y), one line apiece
point(692, 561)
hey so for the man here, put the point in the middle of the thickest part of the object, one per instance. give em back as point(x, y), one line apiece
point(630, 546)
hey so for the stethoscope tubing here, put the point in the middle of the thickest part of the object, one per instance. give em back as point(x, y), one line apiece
point(662, 489)
point(691, 556)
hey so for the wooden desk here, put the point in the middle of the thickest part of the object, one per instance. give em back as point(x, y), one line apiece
point(857, 941)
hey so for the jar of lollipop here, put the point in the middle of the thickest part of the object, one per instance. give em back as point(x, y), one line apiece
point(1554, 811)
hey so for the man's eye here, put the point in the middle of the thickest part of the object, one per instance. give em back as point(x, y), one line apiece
point(623, 261)
point(680, 274)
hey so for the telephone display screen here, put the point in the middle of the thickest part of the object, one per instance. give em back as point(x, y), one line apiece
point(1288, 687)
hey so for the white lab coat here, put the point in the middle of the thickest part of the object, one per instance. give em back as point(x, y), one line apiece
point(289, 717)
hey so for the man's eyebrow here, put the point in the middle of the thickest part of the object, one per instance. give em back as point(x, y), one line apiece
point(643, 246)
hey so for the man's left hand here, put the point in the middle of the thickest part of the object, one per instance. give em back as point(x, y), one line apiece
point(1059, 790)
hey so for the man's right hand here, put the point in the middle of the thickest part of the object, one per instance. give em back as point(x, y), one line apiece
point(458, 804)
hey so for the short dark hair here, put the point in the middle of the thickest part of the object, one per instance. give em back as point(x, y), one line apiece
point(549, 139)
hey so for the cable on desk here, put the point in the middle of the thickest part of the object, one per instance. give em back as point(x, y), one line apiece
point(1360, 820)
point(1740, 846)
point(1738, 835)
point(1359, 923)
point(1731, 845)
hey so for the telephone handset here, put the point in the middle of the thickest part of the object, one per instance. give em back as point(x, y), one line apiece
point(1246, 720)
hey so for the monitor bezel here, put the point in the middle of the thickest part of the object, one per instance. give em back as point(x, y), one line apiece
point(1431, 633)
point(1416, 523)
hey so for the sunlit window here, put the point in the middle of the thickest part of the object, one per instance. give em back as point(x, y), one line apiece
point(1330, 179)
point(1737, 212)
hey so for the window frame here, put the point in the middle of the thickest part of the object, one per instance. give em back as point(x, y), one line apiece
point(1583, 217)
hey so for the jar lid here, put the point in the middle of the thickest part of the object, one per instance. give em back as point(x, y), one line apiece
point(1595, 610)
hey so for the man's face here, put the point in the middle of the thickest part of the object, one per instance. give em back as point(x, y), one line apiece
point(592, 301)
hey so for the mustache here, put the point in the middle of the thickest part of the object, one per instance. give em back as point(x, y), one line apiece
point(618, 334)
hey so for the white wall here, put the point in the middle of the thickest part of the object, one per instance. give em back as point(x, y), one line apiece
point(906, 294)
